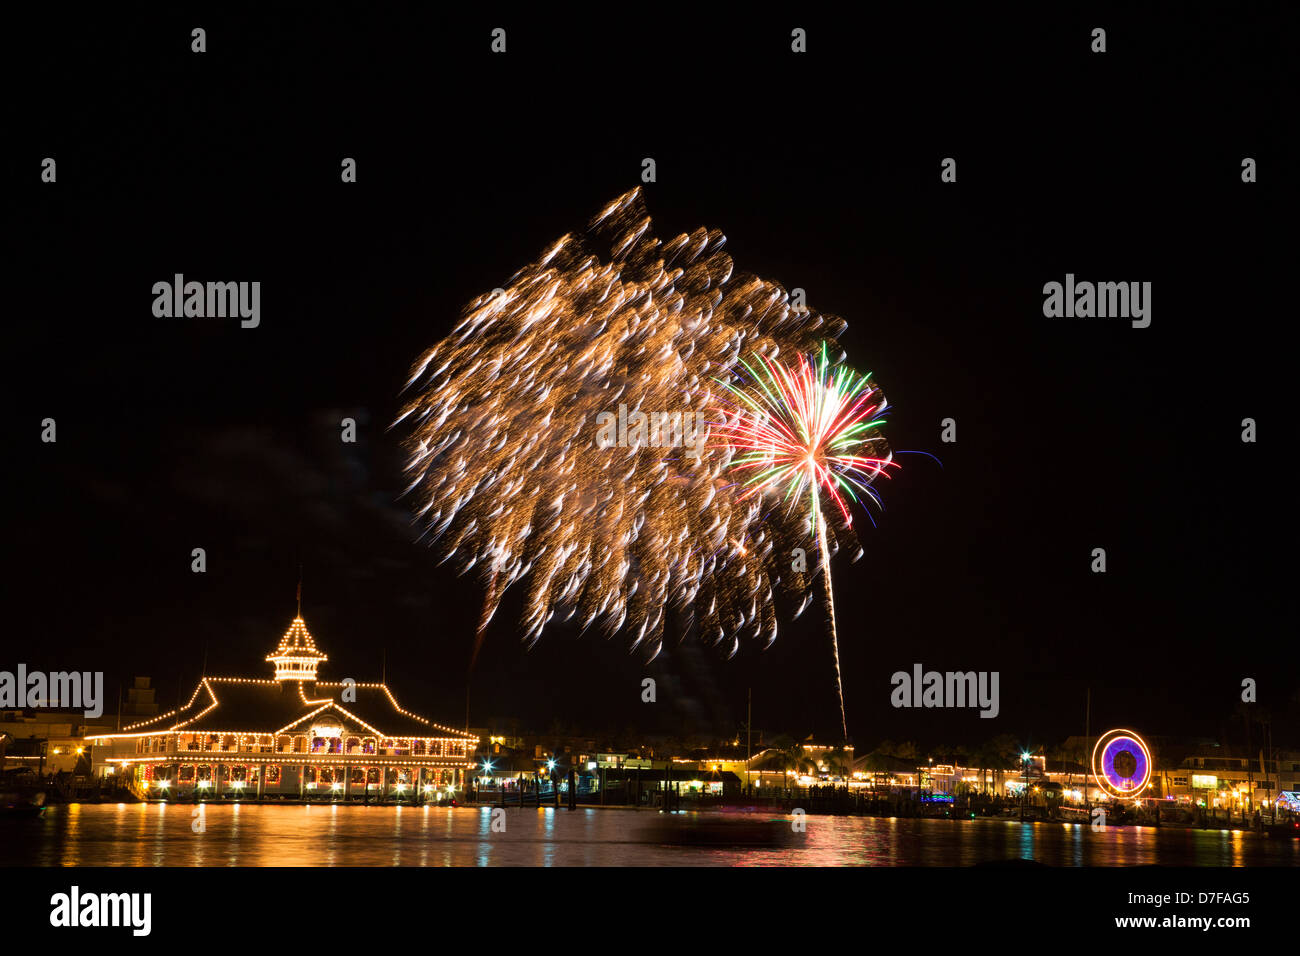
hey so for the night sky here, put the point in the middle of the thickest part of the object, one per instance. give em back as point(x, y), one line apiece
point(823, 172)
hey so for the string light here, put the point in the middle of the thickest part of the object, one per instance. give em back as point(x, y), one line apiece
point(297, 656)
point(158, 740)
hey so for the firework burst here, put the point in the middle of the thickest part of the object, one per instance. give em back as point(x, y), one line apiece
point(797, 433)
point(504, 467)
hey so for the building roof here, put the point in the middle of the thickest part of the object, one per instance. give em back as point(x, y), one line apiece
point(713, 776)
point(297, 642)
point(241, 705)
point(236, 705)
point(887, 763)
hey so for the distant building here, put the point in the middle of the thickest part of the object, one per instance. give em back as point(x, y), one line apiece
point(289, 735)
point(1226, 778)
point(809, 763)
point(140, 699)
point(48, 740)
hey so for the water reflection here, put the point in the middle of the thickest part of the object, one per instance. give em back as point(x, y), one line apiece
point(250, 835)
point(1074, 832)
point(1027, 843)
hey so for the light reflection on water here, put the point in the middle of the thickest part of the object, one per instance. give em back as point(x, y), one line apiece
point(332, 835)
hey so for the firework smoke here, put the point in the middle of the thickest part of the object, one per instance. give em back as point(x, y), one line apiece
point(503, 459)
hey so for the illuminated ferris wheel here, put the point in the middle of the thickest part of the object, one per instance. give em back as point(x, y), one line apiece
point(1121, 764)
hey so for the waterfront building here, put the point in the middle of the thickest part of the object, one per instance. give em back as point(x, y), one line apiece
point(805, 764)
point(48, 741)
point(1227, 778)
point(289, 736)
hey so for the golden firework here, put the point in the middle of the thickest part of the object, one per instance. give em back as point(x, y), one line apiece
point(512, 475)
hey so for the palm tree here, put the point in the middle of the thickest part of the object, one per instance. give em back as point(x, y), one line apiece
point(789, 755)
point(877, 764)
point(950, 754)
point(1000, 753)
point(837, 762)
point(1004, 752)
point(958, 755)
point(980, 759)
point(878, 761)
point(1068, 754)
point(781, 742)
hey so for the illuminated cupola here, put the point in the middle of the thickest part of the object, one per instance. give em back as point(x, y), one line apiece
point(296, 658)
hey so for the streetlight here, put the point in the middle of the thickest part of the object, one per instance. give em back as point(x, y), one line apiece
point(1024, 796)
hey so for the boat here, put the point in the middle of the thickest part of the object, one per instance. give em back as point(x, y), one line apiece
point(21, 803)
point(1283, 830)
point(724, 830)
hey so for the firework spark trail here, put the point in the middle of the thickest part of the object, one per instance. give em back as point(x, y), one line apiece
point(502, 461)
point(794, 432)
point(825, 556)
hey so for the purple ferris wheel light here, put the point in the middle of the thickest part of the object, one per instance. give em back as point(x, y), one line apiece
point(1121, 763)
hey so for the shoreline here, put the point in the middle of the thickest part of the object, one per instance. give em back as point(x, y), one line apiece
point(727, 810)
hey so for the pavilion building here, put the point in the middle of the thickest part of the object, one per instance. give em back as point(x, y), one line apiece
point(290, 736)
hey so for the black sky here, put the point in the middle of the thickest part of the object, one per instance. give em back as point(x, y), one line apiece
point(823, 171)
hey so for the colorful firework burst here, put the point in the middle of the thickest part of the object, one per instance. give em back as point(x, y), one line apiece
point(807, 430)
point(799, 432)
